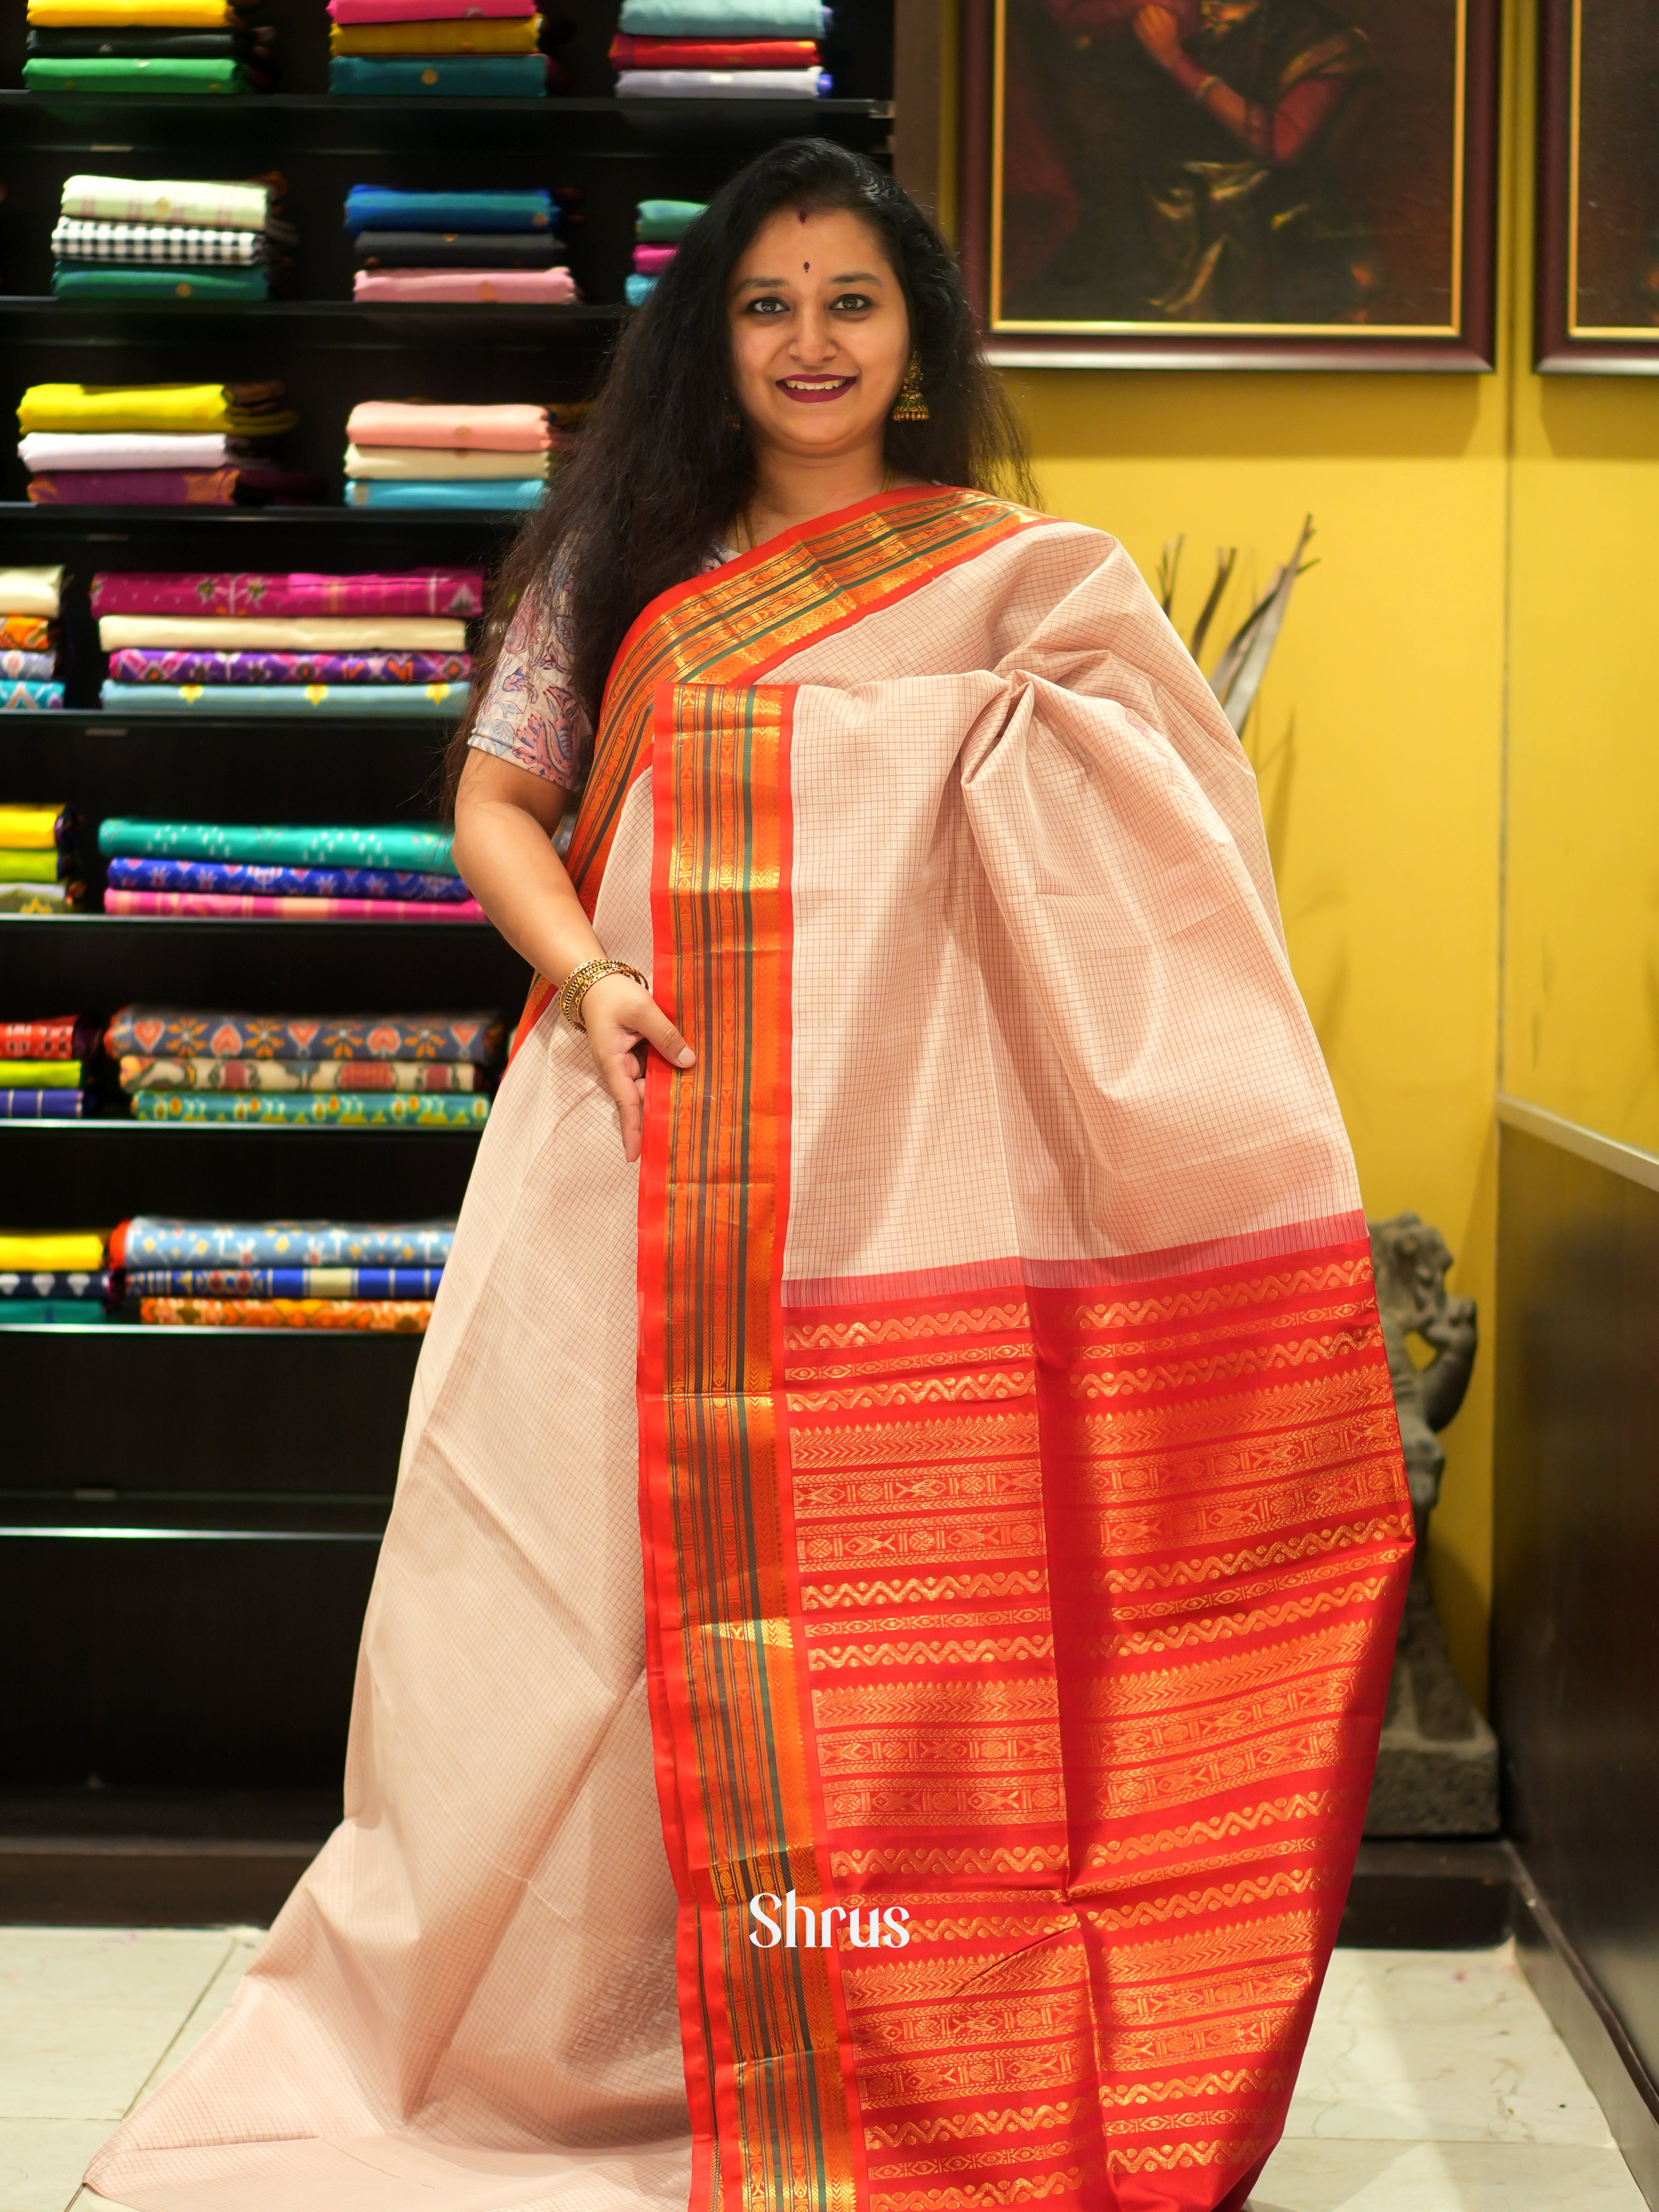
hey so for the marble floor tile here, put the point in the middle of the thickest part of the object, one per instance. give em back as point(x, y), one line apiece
point(41, 2161)
point(87, 2013)
point(209, 2005)
point(1309, 2176)
point(1438, 2046)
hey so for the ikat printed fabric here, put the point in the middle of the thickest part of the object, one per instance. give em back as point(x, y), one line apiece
point(386, 1315)
point(174, 1032)
point(54, 1283)
point(285, 883)
point(444, 702)
point(375, 1283)
point(337, 1109)
point(186, 667)
point(31, 698)
point(149, 1241)
point(397, 845)
point(27, 667)
point(453, 592)
point(141, 1073)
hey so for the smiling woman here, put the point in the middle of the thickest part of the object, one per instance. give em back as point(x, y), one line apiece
point(904, 1441)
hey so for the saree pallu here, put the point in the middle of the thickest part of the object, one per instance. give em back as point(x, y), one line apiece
point(399, 1283)
point(149, 1240)
point(456, 593)
point(477, 1039)
point(448, 699)
point(226, 906)
point(986, 1345)
point(338, 1109)
point(140, 663)
point(404, 1317)
point(139, 1072)
point(130, 875)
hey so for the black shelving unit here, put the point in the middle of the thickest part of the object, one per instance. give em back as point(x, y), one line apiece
point(188, 1518)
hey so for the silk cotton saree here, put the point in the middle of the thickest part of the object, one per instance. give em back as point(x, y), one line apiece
point(953, 1478)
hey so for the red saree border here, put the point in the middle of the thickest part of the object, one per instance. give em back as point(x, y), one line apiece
point(737, 622)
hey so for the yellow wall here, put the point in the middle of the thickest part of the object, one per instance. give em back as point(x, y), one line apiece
point(1378, 739)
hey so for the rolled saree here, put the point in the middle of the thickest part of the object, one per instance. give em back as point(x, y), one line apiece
point(27, 667)
point(150, 1240)
point(457, 249)
point(433, 465)
point(105, 15)
point(30, 591)
point(438, 1076)
point(134, 488)
point(332, 1110)
point(628, 52)
point(405, 1318)
point(534, 287)
point(401, 11)
point(392, 845)
point(105, 280)
point(136, 874)
point(139, 664)
point(456, 76)
point(459, 34)
point(126, 75)
point(453, 592)
point(251, 409)
point(285, 1282)
point(382, 207)
point(286, 633)
point(118, 450)
point(1024, 1529)
point(477, 1039)
point(722, 84)
point(445, 700)
point(167, 200)
point(504, 495)
point(724, 19)
point(31, 697)
point(509, 426)
point(226, 906)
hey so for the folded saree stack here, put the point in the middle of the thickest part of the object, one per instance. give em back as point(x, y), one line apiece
point(246, 871)
point(234, 644)
point(52, 1276)
point(142, 238)
point(316, 1071)
point(282, 1275)
point(470, 49)
point(41, 870)
point(151, 47)
point(720, 50)
point(658, 227)
point(28, 629)
point(409, 453)
point(448, 248)
point(43, 1069)
point(156, 445)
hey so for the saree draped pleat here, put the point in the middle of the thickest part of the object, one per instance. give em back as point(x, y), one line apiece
point(956, 1474)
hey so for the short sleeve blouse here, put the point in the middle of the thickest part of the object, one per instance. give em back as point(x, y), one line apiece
point(530, 716)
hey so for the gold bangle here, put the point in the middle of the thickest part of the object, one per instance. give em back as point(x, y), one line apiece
point(1203, 88)
point(580, 980)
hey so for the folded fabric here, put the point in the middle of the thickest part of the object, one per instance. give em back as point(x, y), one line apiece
point(137, 664)
point(664, 222)
point(390, 845)
point(400, 11)
point(438, 1076)
point(651, 260)
point(252, 409)
point(457, 34)
point(28, 867)
point(58, 450)
point(91, 1283)
point(76, 239)
point(504, 495)
point(107, 280)
point(186, 14)
point(628, 52)
point(385, 1315)
point(27, 667)
point(134, 488)
point(101, 74)
point(41, 898)
point(30, 591)
point(223, 906)
point(463, 76)
point(453, 592)
point(286, 633)
point(514, 427)
point(201, 46)
point(329, 1109)
point(477, 1039)
point(378, 207)
point(39, 1074)
point(722, 84)
point(53, 1313)
point(28, 633)
point(150, 1240)
point(41, 1105)
point(429, 463)
point(457, 249)
point(547, 286)
point(400, 1283)
point(59, 1036)
point(30, 697)
point(44, 829)
point(189, 200)
point(724, 19)
point(398, 699)
point(637, 291)
point(69, 1250)
point(129, 874)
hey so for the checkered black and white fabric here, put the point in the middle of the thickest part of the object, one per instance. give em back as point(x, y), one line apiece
point(75, 240)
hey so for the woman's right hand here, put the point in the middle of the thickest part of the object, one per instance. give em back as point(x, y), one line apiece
point(624, 1024)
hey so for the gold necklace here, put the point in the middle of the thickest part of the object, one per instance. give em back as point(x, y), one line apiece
point(747, 529)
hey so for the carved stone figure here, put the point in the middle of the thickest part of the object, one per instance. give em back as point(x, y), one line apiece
point(1436, 1773)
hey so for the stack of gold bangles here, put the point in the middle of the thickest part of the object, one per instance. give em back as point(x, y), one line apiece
point(580, 980)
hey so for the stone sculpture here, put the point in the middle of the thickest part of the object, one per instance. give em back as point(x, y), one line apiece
point(1437, 1773)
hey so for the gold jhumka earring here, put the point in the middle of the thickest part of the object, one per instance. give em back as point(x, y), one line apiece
point(910, 406)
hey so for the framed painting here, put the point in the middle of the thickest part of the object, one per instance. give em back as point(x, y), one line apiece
point(1232, 184)
point(1598, 188)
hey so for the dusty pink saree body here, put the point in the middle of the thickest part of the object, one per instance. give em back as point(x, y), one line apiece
point(953, 1477)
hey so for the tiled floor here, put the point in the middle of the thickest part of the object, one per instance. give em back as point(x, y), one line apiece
point(1433, 2082)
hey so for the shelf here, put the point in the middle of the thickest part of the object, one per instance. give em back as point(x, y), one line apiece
point(346, 324)
point(81, 523)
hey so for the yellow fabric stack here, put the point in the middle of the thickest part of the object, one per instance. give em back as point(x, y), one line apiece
point(153, 48)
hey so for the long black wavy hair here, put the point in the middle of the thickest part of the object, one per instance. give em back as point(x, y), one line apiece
point(664, 461)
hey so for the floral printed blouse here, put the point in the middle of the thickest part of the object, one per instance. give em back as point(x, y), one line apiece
point(530, 715)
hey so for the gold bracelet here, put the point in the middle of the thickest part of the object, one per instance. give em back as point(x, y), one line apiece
point(1203, 88)
point(580, 980)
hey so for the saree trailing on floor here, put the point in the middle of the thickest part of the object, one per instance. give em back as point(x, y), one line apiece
point(989, 1334)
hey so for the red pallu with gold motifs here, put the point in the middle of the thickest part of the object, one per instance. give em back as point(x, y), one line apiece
point(1049, 1595)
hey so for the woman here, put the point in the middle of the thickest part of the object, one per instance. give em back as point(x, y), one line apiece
point(872, 1681)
